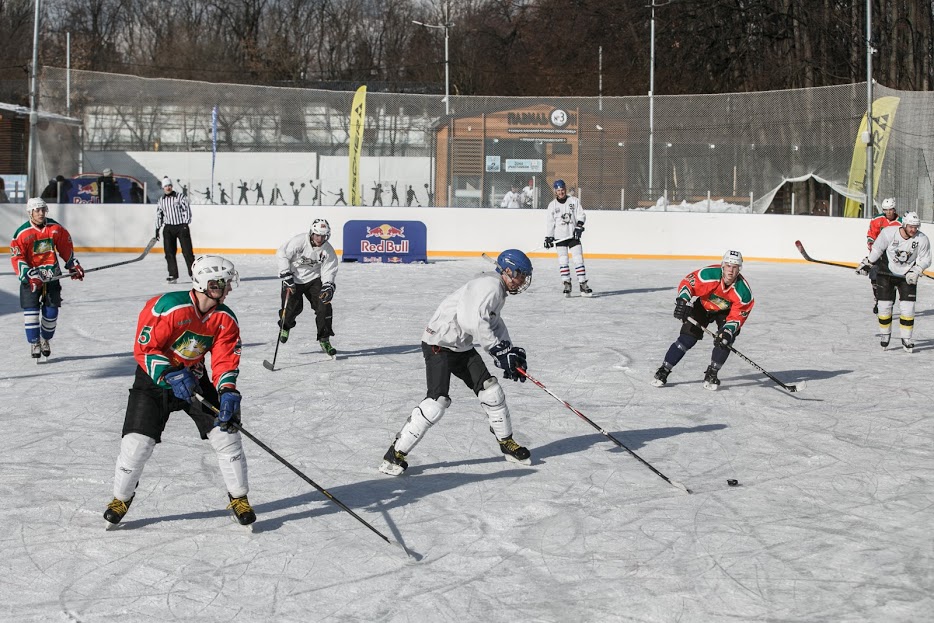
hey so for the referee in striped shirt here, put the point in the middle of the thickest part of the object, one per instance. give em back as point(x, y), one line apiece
point(173, 214)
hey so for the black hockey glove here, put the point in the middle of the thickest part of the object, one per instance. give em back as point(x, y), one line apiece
point(228, 416)
point(288, 281)
point(579, 230)
point(327, 292)
point(549, 242)
point(724, 338)
point(864, 266)
point(157, 234)
point(508, 359)
point(682, 308)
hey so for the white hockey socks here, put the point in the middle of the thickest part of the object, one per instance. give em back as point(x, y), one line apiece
point(493, 401)
point(577, 256)
point(423, 417)
point(231, 460)
point(885, 316)
point(135, 450)
point(906, 318)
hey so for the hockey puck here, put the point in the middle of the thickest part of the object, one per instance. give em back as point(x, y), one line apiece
point(732, 482)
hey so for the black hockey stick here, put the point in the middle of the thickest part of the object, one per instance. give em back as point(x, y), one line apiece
point(792, 388)
point(301, 475)
point(603, 432)
point(142, 255)
point(272, 366)
point(811, 259)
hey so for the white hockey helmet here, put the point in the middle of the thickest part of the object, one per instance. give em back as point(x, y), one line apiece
point(321, 227)
point(911, 218)
point(208, 268)
point(36, 204)
point(733, 257)
point(888, 204)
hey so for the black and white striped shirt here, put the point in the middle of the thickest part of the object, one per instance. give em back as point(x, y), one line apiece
point(173, 209)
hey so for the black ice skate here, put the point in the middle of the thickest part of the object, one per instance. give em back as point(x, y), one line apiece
point(242, 510)
point(661, 376)
point(171, 279)
point(116, 511)
point(875, 309)
point(45, 348)
point(514, 452)
point(35, 350)
point(567, 289)
point(394, 462)
point(908, 345)
point(329, 350)
point(585, 289)
point(884, 340)
point(711, 381)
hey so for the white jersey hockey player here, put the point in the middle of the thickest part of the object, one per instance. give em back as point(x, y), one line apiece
point(513, 199)
point(900, 254)
point(564, 226)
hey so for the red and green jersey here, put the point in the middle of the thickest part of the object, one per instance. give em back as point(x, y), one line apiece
point(172, 333)
point(707, 285)
point(35, 247)
point(876, 225)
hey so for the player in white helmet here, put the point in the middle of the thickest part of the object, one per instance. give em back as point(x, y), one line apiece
point(900, 255)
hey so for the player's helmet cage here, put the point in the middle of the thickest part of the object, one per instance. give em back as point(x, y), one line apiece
point(208, 268)
point(888, 204)
point(320, 227)
point(733, 257)
point(515, 263)
point(911, 218)
point(36, 203)
point(559, 184)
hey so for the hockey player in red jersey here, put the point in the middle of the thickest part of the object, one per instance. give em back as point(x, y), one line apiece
point(888, 218)
point(723, 297)
point(174, 333)
point(35, 261)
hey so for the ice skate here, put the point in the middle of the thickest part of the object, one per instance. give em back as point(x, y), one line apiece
point(35, 350)
point(329, 350)
point(283, 336)
point(884, 341)
point(661, 376)
point(908, 345)
point(513, 452)
point(171, 279)
point(875, 309)
point(585, 289)
point(711, 381)
point(116, 511)
point(45, 348)
point(567, 289)
point(394, 462)
point(242, 510)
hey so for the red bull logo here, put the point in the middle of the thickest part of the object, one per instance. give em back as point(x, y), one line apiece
point(385, 231)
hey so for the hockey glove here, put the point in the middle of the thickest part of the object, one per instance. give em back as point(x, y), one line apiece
point(682, 308)
point(182, 382)
point(549, 242)
point(724, 338)
point(157, 234)
point(508, 359)
point(864, 266)
point(75, 269)
point(912, 276)
point(327, 292)
point(228, 416)
point(34, 279)
point(288, 281)
point(579, 230)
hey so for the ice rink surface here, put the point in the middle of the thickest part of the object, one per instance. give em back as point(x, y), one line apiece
point(831, 521)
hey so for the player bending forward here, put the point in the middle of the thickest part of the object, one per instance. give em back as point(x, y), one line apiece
point(723, 297)
point(173, 334)
point(32, 253)
point(467, 318)
point(900, 255)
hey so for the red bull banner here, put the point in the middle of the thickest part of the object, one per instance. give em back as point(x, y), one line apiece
point(86, 189)
point(385, 240)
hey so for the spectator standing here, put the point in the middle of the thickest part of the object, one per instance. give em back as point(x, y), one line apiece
point(173, 216)
point(107, 188)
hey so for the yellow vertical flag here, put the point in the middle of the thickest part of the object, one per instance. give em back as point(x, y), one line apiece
point(883, 118)
point(357, 120)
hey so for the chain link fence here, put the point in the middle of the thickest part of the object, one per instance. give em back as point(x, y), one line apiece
point(782, 151)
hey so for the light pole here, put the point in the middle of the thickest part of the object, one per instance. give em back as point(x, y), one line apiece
point(868, 206)
point(652, 90)
point(447, 64)
point(33, 114)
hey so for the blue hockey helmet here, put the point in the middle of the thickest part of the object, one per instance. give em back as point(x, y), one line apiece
point(559, 184)
point(515, 263)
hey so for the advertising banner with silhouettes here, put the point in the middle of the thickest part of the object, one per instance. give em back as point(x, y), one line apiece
point(382, 240)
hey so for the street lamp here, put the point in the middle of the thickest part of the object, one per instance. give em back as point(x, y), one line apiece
point(652, 90)
point(447, 65)
point(33, 114)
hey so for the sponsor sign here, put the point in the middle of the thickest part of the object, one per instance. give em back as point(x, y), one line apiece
point(385, 240)
point(523, 166)
point(492, 164)
point(84, 189)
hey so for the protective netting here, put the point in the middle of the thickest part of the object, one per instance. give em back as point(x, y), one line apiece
point(737, 151)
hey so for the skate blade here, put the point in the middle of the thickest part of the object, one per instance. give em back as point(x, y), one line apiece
point(513, 459)
point(711, 386)
point(108, 527)
point(587, 295)
point(658, 383)
point(391, 469)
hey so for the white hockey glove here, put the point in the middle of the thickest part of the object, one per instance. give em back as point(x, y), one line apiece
point(912, 276)
point(864, 266)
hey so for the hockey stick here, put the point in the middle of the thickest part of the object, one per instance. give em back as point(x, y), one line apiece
point(142, 255)
point(301, 475)
point(792, 388)
point(811, 259)
point(674, 483)
point(272, 366)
